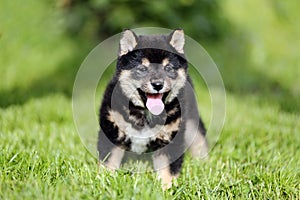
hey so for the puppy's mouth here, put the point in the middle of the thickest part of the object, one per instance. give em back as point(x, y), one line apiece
point(154, 101)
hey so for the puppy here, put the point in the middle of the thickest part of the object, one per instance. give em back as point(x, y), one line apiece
point(149, 105)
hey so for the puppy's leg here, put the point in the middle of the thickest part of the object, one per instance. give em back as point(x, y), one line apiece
point(166, 172)
point(114, 159)
point(195, 139)
point(161, 165)
point(175, 169)
point(109, 154)
point(194, 133)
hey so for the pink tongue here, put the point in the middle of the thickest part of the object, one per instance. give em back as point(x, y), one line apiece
point(155, 105)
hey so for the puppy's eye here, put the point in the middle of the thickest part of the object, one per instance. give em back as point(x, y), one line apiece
point(142, 68)
point(169, 68)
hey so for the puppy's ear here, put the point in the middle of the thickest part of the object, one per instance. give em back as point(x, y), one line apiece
point(128, 42)
point(177, 40)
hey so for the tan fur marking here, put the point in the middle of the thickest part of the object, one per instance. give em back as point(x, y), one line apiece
point(177, 84)
point(198, 144)
point(129, 87)
point(166, 178)
point(173, 111)
point(115, 158)
point(166, 132)
point(115, 117)
point(161, 164)
point(165, 61)
point(145, 62)
point(111, 119)
point(173, 126)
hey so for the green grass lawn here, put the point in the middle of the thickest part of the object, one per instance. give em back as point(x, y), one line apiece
point(256, 156)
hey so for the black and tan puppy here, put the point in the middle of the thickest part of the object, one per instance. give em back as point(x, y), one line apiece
point(149, 105)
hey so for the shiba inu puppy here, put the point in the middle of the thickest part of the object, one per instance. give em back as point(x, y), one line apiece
point(149, 105)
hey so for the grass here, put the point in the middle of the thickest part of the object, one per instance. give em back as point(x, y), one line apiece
point(41, 155)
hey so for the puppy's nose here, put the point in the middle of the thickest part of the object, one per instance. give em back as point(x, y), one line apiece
point(157, 85)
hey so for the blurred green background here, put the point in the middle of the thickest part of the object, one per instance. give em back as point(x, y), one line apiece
point(255, 45)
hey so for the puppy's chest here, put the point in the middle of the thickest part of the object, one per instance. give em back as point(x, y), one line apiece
point(140, 138)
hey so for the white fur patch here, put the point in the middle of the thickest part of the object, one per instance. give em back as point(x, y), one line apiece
point(139, 138)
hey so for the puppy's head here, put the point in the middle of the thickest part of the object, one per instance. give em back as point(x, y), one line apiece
point(152, 69)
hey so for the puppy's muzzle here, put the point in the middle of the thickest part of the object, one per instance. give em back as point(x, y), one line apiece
point(157, 85)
